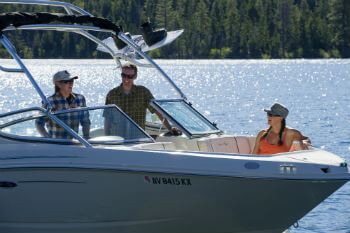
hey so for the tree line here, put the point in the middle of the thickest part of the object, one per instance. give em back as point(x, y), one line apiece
point(213, 28)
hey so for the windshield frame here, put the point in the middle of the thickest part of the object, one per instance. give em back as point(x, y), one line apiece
point(76, 137)
point(156, 103)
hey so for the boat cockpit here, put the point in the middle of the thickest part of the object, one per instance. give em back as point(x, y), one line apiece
point(198, 133)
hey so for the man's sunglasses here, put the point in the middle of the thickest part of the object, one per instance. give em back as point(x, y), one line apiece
point(128, 76)
point(67, 81)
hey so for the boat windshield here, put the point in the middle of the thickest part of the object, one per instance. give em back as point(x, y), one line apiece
point(184, 116)
point(98, 125)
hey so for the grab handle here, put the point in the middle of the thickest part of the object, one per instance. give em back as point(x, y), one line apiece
point(11, 69)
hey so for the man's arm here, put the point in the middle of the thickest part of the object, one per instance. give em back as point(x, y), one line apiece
point(107, 126)
point(173, 130)
point(40, 125)
point(86, 130)
point(41, 129)
point(85, 121)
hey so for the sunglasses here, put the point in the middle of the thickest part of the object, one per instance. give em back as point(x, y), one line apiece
point(270, 115)
point(128, 76)
point(67, 81)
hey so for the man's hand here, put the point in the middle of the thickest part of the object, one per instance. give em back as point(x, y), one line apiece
point(175, 131)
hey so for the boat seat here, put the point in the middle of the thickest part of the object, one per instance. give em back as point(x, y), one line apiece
point(227, 144)
point(245, 144)
point(224, 144)
point(181, 142)
point(156, 146)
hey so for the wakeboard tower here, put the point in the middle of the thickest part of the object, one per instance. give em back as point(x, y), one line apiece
point(121, 46)
point(140, 42)
point(149, 40)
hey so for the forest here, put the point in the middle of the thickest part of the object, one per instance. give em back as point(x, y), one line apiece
point(214, 29)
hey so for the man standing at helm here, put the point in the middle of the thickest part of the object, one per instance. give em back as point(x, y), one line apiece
point(134, 100)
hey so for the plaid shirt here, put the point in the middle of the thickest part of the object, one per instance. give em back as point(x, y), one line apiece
point(133, 104)
point(59, 103)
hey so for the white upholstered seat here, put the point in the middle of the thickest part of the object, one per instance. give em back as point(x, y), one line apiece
point(156, 146)
point(227, 144)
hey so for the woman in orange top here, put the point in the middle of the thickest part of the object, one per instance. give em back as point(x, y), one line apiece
point(278, 137)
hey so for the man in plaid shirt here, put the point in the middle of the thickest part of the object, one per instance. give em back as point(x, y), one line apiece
point(134, 100)
point(64, 99)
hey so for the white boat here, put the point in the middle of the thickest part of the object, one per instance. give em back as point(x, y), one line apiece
point(202, 181)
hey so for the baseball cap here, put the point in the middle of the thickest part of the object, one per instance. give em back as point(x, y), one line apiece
point(63, 75)
point(277, 109)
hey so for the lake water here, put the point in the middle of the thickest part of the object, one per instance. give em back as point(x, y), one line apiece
point(231, 93)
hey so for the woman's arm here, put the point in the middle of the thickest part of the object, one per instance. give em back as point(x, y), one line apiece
point(303, 140)
point(257, 142)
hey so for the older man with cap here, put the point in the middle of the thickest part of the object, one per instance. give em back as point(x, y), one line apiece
point(64, 99)
point(278, 137)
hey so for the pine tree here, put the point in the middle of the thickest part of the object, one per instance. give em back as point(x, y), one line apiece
point(339, 26)
point(215, 28)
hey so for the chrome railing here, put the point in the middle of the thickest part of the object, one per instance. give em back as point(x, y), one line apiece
point(67, 6)
point(11, 49)
point(80, 29)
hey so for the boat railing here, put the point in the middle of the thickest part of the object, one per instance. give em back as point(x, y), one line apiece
point(23, 69)
point(82, 30)
point(69, 8)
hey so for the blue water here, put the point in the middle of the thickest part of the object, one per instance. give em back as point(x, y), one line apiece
point(231, 93)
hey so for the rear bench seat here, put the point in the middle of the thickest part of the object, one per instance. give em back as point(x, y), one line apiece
point(227, 144)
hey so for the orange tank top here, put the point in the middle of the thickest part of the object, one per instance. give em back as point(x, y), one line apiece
point(265, 148)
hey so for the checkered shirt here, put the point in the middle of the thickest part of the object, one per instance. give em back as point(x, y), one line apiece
point(59, 103)
point(133, 104)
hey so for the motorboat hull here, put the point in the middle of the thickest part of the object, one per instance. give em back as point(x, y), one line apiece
point(116, 178)
point(101, 200)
